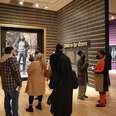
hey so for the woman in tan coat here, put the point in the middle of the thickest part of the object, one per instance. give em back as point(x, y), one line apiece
point(36, 82)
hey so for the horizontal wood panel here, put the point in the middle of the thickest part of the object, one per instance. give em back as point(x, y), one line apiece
point(10, 14)
point(84, 20)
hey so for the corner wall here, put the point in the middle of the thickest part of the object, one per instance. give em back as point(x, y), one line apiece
point(83, 20)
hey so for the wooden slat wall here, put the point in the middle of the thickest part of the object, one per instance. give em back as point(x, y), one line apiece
point(83, 20)
point(27, 16)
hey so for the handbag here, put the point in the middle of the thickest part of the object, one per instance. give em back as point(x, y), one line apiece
point(75, 80)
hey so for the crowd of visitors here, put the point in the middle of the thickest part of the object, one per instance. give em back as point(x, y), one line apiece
point(62, 80)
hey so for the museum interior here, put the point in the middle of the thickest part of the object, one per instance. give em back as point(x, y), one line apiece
point(86, 25)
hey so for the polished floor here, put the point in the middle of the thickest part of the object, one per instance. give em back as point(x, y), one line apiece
point(80, 108)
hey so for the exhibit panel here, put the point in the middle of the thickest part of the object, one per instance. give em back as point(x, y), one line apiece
point(112, 42)
point(71, 50)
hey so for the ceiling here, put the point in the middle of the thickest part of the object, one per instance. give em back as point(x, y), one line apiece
point(54, 5)
point(112, 9)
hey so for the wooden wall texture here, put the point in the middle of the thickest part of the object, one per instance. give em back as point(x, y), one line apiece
point(10, 14)
point(79, 20)
point(83, 20)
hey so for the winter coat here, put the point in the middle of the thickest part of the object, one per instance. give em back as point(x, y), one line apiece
point(61, 82)
point(36, 81)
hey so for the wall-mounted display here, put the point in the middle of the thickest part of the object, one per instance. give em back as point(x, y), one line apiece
point(25, 44)
point(113, 55)
point(72, 48)
point(77, 44)
point(113, 52)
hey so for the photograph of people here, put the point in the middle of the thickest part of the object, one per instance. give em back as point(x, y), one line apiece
point(25, 44)
point(22, 49)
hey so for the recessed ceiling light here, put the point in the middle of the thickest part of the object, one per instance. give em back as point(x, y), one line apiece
point(36, 5)
point(112, 17)
point(21, 3)
point(46, 7)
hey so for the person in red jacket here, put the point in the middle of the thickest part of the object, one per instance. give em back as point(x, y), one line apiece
point(99, 78)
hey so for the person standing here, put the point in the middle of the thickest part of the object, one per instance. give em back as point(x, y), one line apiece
point(61, 83)
point(36, 82)
point(101, 79)
point(82, 73)
point(11, 81)
point(22, 49)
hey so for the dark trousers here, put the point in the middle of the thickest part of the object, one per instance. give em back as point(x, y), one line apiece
point(11, 103)
point(62, 115)
point(31, 98)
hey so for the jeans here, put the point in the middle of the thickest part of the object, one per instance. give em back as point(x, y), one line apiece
point(22, 55)
point(11, 103)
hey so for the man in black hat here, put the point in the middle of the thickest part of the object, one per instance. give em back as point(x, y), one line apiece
point(61, 83)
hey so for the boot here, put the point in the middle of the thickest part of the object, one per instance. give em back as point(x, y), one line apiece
point(99, 101)
point(39, 106)
point(100, 105)
point(29, 109)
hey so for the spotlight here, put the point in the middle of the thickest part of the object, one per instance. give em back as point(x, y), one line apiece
point(21, 3)
point(36, 5)
point(112, 17)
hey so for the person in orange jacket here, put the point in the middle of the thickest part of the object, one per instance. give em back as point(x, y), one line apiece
point(100, 77)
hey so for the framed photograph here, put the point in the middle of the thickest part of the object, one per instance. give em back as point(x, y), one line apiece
point(25, 42)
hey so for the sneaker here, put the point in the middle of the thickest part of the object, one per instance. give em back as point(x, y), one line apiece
point(30, 109)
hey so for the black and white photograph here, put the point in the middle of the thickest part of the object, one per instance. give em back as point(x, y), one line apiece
point(25, 44)
point(113, 52)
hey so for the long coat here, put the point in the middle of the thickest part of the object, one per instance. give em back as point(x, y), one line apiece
point(82, 72)
point(61, 81)
point(36, 81)
point(106, 73)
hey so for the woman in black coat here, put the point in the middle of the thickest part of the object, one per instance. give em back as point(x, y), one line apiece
point(61, 83)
